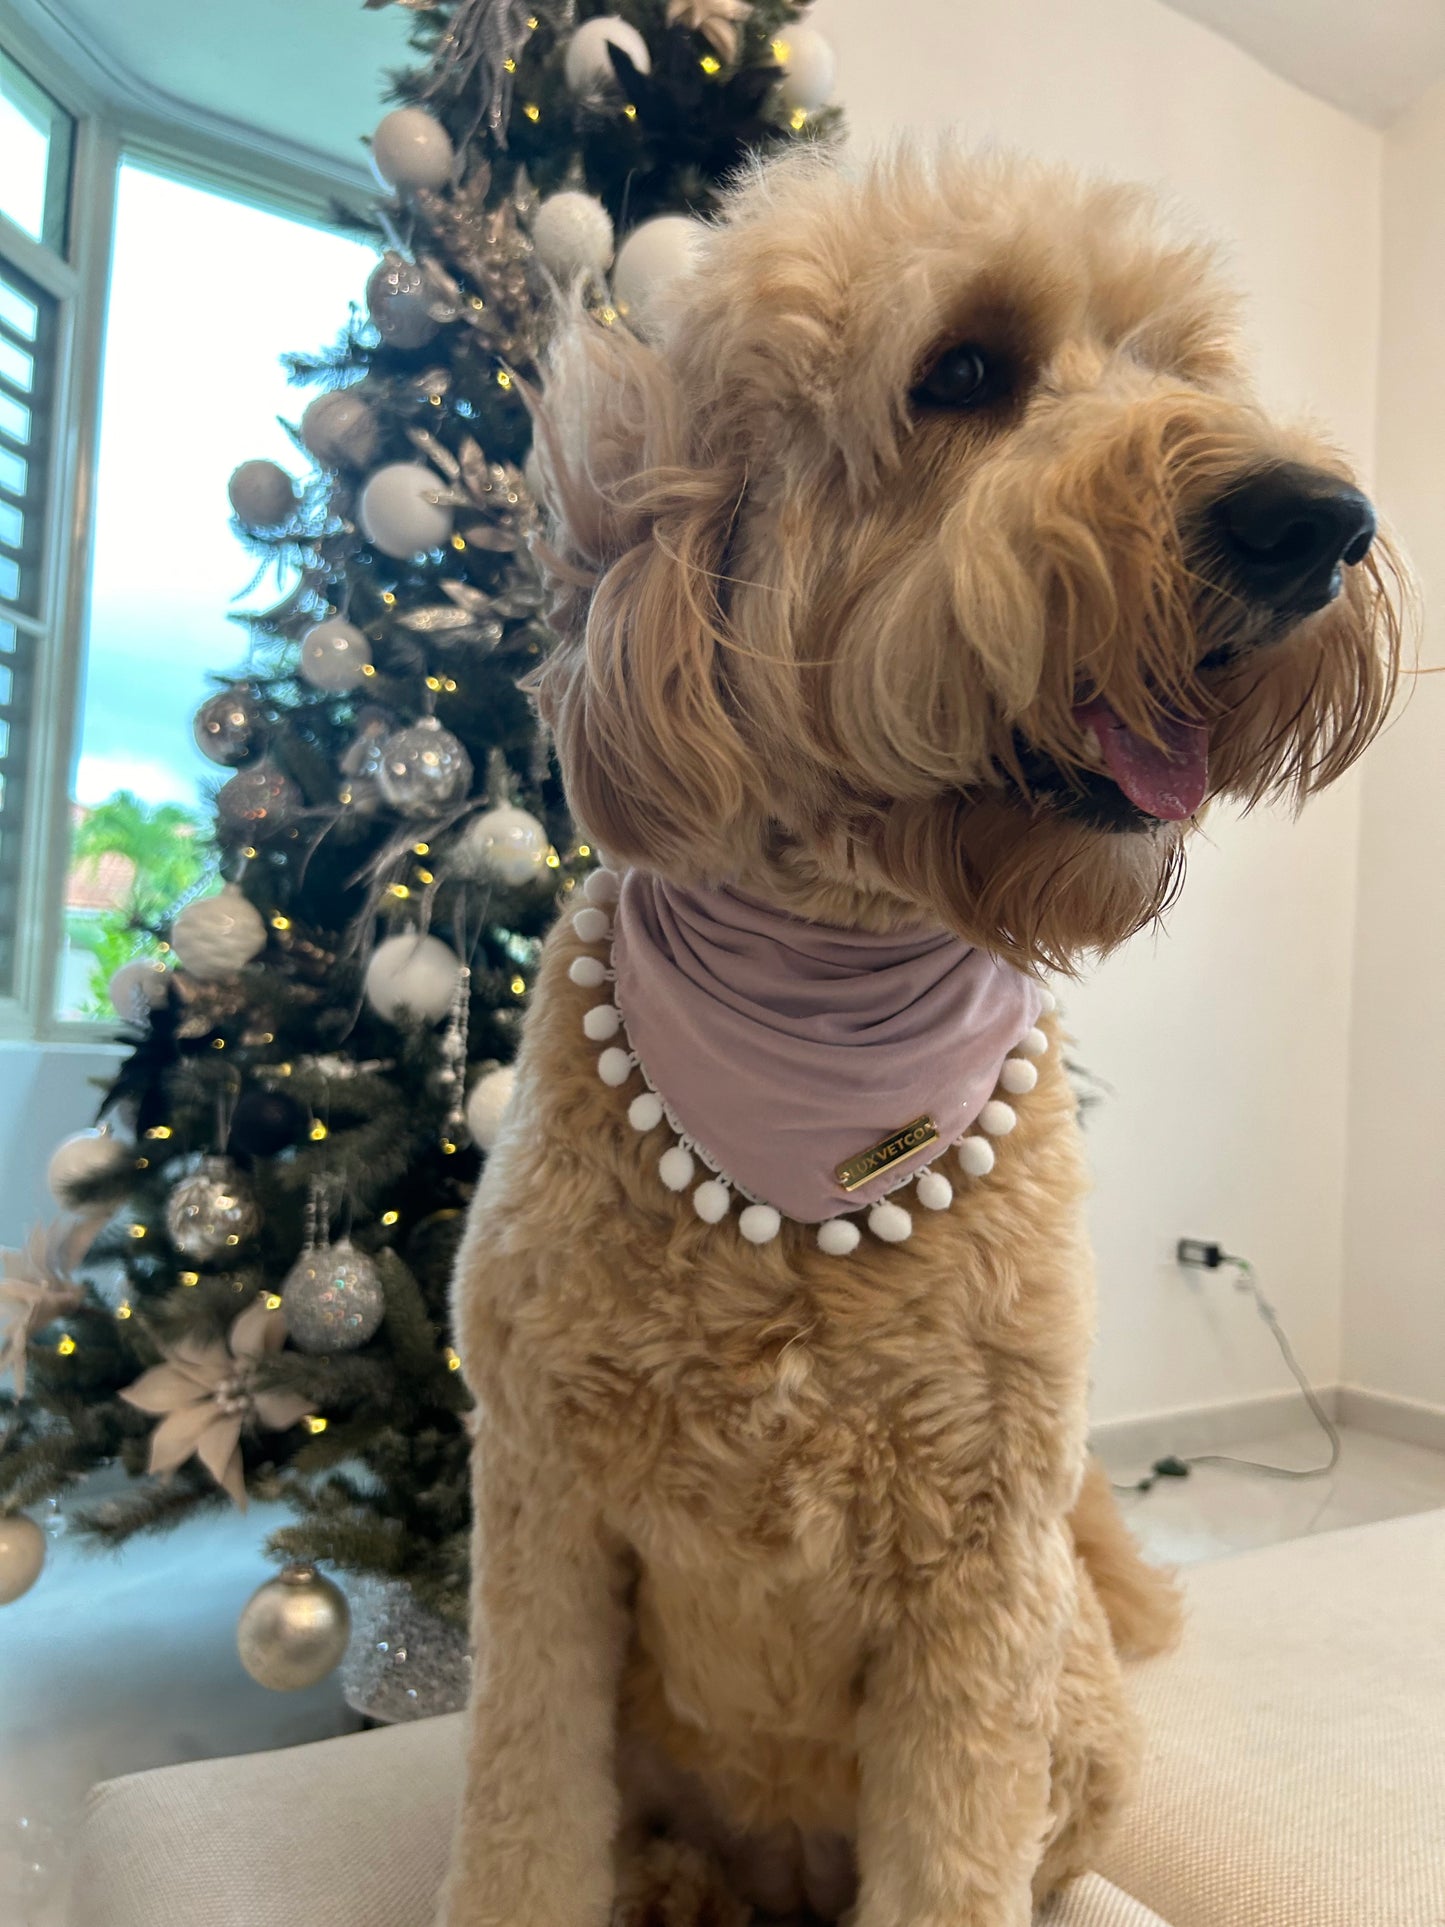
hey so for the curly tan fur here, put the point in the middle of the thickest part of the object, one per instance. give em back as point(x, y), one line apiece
point(792, 1585)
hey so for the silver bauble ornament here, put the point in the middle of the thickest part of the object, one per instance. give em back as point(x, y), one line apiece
point(335, 656)
point(138, 988)
point(75, 1160)
point(396, 511)
point(339, 429)
point(411, 149)
point(808, 67)
point(586, 62)
point(487, 1105)
point(404, 1662)
point(22, 1554)
point(399, 299)
point(505, 844)
point(230, 727)
point(332, 1299)
point(211, 1211)
point(572, 233)
point(651, 258)
point(293, 1629)
point(424, 769)
point(263, 496)
point(214, 936)
point(260, 800)
point(414, 976)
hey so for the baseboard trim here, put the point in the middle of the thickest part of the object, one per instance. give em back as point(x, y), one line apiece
point(1411, 1420)
point(1212, 1428)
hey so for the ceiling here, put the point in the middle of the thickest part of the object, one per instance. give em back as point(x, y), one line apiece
point(1371, 57)
point(305, 75)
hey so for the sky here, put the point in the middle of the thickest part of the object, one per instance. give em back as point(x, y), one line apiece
point(206, 295)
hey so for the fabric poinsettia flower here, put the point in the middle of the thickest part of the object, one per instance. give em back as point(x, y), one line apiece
point(204, 1393)
point(36, 1287)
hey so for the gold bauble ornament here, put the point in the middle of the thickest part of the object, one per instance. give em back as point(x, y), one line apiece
point(22, 1554)
point(293, 1629)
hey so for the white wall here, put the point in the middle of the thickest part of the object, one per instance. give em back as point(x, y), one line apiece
point(1225, 1043)
point(1395, 1243)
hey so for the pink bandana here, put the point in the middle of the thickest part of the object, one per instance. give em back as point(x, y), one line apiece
point(785, 1049)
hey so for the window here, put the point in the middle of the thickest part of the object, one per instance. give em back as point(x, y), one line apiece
point(36, 137)
point(206, 294)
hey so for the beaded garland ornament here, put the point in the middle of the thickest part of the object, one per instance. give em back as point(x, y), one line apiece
point(683, 1166)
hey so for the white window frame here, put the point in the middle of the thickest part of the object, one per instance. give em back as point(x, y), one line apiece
point(119, 116)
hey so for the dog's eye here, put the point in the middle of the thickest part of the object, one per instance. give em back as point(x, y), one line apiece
point(962, 377)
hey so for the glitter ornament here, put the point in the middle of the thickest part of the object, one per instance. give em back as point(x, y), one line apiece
point(424, 769)
point(22, 1554)
point(412, 976)
point(572, 233)
point(230, 727)
point(335, 656)
point(263, 496)
point(138, 988)
point(79, 1159)
point(332, 1299)
point(214, 936)
point(587, 63)
point(404, 1662)
point(399, 301)
point(259, 800)
point(339, 429)
point(397, 513)
point(651, 258)
point(293, 1630)
point(506, 844)
point(808, 68)
point(411, 149)
point(211, 1212)
point(487, 1105)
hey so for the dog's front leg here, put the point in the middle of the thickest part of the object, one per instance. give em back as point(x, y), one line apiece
point(953, 1738)
point(534, 1835)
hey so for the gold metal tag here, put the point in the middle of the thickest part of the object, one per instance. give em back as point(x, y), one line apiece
point(889, 1151)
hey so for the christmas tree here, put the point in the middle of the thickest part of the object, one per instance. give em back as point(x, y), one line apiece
point(248, 1294)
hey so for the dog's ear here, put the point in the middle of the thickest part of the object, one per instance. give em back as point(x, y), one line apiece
point(640, 519)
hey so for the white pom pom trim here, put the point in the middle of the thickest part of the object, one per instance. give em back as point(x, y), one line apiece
point(890, 1222)
point(645, 1113)
point(935, 1193)
point(760, 1224)
point(838, 1236)
point(614, 1067)
point(601, 887)
point(601, 1022)
point(588, 973)
point(712, 1201)
point(1051, 1003)
point(676, 1168)
point(592, 925)
point(975, 1156)
point(1033, 1043)
point(997, 1118)
point(1018, 1076)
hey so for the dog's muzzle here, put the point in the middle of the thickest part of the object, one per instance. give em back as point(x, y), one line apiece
point(1288, 534)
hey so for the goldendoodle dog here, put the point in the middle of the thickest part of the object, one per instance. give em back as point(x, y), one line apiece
point(920, 575)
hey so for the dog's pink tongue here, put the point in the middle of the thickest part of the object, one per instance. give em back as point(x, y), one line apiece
point(1168, 783)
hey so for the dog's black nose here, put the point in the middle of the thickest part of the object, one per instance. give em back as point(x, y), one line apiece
point(1287, 532)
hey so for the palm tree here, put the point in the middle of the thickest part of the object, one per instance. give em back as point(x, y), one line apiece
point(167, 848)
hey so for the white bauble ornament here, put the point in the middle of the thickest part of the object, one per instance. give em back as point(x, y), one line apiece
point(651, 258)
point(293, 1630)
point(572, 233)
point(339, 429)
point(211, 1212)
point(423, 769)
point(414, 975)
point(506, 844)
point(411, 149)
point(138, 988)
point(399, 300)
point(22, 1554)
point(332, 1299)
point(75, 1160)
point(335, 656)
point(487, 1105)
point(263, 496)
point(808, 67)
point(397, 513)
point(586, 63)
point(214, 936)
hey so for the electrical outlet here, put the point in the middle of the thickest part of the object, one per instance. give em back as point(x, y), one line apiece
point(1196, 1255)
